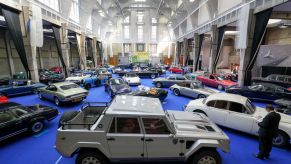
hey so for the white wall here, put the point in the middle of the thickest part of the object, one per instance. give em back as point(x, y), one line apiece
point(203, 14)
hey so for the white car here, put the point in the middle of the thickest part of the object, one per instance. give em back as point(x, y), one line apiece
point(77, 78)
point(237, 112)
point(132, 79)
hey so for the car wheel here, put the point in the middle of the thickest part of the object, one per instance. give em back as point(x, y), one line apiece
point(220, 87)
point(57, 101)
point(159, 85)
point(281, 139)
point(200, 111)
point(206, 156)
point(39, 95)
point(153, 76)
point(87, 86)
point(201, 96)
point(36, 127)
point(91, 157)
point(176, 92)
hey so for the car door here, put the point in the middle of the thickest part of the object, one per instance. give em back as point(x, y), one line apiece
point(186, 90)
point(50, 92)
point(171, 80)
point(212, 81)
point(217, 111)
point(159, 141)
point(125, 138)
point(239, 118)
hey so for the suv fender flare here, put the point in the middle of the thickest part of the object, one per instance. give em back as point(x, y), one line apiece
point(92, 145)
point(200, 144)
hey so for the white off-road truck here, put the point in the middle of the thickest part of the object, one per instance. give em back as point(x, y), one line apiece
point(133, 128)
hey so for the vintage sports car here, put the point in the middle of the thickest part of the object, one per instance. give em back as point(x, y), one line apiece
point(141, 73)
point(192, 76)
point(57, 69)
point(156, 69)
point(132, 79)
point(137, 129)
point(216, 81)
point(261, 92)
point(3, 99)
point(103, 72)
point(237, 112)
point(150, 92)
point(176, 70)
point(282, 80)
point(20, 87)
point(194, 89)
point(169, 81)
point(117, 86)
point(46, 77)
point(63, 92)
point(16, 119)
point(77, 78)
point(284, 106)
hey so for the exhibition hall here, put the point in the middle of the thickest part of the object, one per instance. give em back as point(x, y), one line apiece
point(145, 81)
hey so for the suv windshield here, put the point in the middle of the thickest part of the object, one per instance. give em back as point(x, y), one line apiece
point(250, 106)
point(70, 86)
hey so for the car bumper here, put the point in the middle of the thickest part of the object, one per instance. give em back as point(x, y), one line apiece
point(75, 98)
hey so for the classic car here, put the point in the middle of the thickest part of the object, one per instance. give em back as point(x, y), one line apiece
point(117, 86)
point(62, 92)
point(4, 80)
point(57, 69)
point(19, 76)
point(132, 79)
point(141, 73)
point(77, 78)
point(195, 89)
point(192, 76)
point(231, 77)
point(103, 72)
point(156, 69)
point(137, 128)
point(261, 92)
point(19, 87)
point(16, 119)
point(169, 81)
point(46, 77)
point(3, 99)
point(176, 70)
point(150, 92)
point(284, 106)
point(237, 112)
point(282, 80)
point(216, 81)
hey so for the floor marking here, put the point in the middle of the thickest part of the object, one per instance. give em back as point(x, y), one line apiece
point(59, 160)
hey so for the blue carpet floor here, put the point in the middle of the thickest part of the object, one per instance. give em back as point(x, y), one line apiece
point(39, 149)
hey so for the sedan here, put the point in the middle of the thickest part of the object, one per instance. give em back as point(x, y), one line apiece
point(237, 112)
point(216, 81)
point(176, 70)
point(117, 86)
point(193, 90)
point(16, 119)
point(170, 80)
point(63, 92)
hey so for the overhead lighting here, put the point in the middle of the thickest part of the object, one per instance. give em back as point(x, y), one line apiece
point(140, 0)
point(192, 0)
point(273, 21)
point(231, 32)
point(100, 11)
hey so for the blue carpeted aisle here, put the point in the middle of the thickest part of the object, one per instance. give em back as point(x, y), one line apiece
point(39, 149)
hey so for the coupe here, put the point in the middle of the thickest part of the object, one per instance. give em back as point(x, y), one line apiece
point(117, 86)
point(132, 79)
point(144, 91)
point(216, 81)
point(176, 70)
point(170, 80)
point(282, 80)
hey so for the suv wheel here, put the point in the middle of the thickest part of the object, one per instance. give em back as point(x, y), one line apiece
point(90, 157)
point(206, 156)
point(176, 92)
point(153, 76)
point(36, 127)
point(159, 85)
point(281, 139)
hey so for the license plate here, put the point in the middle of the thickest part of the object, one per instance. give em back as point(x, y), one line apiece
point(77, 100)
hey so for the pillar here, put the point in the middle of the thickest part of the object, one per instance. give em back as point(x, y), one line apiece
point(214, 44)
point(94, 49)
point(65, 45)
point(195, 50)
point(185, 51)
point(9, 53)
point(81, 48)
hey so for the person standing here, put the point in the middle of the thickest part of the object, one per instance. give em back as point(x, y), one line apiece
point(267, 131)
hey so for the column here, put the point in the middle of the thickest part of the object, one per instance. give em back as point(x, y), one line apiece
point(94, 49)
point(9, 53)
point(195, 50)
point(214, 45)
point(65, 45)
point(185, 51)
point(81, 47)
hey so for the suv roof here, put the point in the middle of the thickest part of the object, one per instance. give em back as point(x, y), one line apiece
point(135, 105)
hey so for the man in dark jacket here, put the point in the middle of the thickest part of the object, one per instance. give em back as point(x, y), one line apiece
point(268, 130)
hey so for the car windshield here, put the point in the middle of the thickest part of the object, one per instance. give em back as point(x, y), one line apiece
point(116, 81)
point(131, 75)
point(251, 106)
point(197, 85)
point(77, 74)
point(70, 86)
point(221, 78)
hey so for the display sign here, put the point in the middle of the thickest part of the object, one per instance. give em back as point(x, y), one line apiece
point(140, 57)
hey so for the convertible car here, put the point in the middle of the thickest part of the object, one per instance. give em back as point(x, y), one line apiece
point(170, 80)
point(194, 89)
point(117, 86)
point(62, 92)
point(103, 72)
point(20, 87)
point(16, 119)
point(261, 92)
point(77, 78)
point(141, 73)
point(237, 112)
point(150, 92)
point(216, 81)
point(132, 79)
point(176, 70)
point(46, 76)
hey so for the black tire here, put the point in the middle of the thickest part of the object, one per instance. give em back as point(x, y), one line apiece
point(201, 96)
point(36, 127)
point(281, 140)
point(200, 111)
point(87, 86)
point(159, 85)
point(57, 101)
point(206, 156)
point(67, 116)
point(176, 92)
point(91, 157)
point(153, 76)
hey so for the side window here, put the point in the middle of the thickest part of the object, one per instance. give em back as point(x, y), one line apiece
point(289, 80)
point(236, 107)
point(269, 89)
point(172, 78)
point(211, 103)
point(127, 125)
point(221, 104)
point(281, 78)
point(155, 126)
point(272, 77)
point(212, 77)
point(5, 117)
point(113, 126)
point(181, 78)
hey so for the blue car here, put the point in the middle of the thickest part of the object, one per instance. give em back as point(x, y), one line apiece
point(94, 81)
point(20, 87)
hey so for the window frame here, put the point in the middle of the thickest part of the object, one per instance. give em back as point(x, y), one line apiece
point(115, 118)
point(161, 118)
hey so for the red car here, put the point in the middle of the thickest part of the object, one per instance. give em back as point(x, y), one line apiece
point(175, 70)
point(216, 81)
point(3, 99)
point(56, 69)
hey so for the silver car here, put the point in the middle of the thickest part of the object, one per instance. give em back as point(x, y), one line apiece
point(194, 89)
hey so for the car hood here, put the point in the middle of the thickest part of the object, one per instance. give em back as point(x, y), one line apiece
point(261, 113)
point(74, 91)
point(195, 103)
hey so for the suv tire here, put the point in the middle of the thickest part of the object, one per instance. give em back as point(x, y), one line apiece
point(91, 157)
point(206, 156)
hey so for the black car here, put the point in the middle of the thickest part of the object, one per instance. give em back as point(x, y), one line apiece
point(117, 86)
point(261, 92)
point(141, 74)
point(157, 69)
point(282, 80)
point(150, 92)
point(16, 119)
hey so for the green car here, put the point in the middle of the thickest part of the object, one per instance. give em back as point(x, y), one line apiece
point(63, 92)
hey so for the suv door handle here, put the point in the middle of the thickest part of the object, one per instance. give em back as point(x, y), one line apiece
point(111, 139)
point(149, 140)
